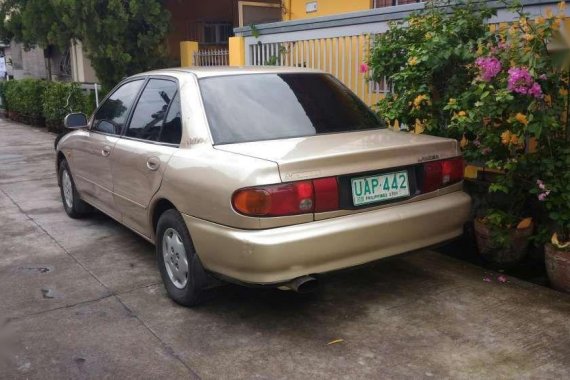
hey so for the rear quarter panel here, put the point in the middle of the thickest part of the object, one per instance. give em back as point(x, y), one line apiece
point(200, 182)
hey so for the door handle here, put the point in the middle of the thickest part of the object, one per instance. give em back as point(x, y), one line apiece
point(153, 163)
point(106, 151)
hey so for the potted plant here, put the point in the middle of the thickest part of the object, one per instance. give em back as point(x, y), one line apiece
point(502, 238)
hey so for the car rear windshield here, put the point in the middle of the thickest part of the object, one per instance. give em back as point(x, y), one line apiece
point(255, 107)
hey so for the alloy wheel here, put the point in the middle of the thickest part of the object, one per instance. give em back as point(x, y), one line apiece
point(175, 258)
point(67, 189)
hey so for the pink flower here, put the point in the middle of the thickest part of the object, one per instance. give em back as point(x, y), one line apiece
point(487, 279)
point(544, 191)
point(535, 90)
point(521, 82)
point(489, 67)
point(542, 196)
point(542, 77)
point(502, 279)
point(364, 68)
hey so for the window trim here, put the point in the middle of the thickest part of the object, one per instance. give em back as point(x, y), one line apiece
point(130, 116)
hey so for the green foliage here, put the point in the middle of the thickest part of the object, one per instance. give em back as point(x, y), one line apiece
point(553, 187)
point(512, 119)
point(62, 98)
point(3, 93)
point(497, 91)
point(275, 59)
point(121, 37)
point(25, 97)
point(37, 22)
point(425, 58)
point(254, 31)
point(500, 223)
point(36, 101)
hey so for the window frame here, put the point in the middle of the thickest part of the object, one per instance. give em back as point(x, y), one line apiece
point(119, 85)
point(136, 102)
point(145, 80)
point(198, 31)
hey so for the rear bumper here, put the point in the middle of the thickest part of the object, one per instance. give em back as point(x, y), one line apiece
point(281, 254)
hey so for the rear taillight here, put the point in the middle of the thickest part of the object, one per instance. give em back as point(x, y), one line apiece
point(438, 174)
point(452, 170)
point(288, 198)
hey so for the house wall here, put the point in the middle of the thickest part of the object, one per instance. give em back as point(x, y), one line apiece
point(296, 9)
point(81, 69)
point(25, 64)
point(186, 13)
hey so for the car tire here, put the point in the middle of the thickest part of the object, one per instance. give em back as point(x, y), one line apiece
point(180, 268)
point(72, 203)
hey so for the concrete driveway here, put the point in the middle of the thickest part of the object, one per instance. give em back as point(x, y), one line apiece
point(83, 299)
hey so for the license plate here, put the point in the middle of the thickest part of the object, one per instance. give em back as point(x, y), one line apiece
point(379, 188)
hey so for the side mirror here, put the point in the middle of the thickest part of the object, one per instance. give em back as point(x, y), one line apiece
point(75, 121)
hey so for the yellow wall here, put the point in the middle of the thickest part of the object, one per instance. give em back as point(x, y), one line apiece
point(187, 50)
point(295, 9)
point(237, 51)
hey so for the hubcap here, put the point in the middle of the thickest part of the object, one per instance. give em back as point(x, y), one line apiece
point(175, 259)
point(67, 189)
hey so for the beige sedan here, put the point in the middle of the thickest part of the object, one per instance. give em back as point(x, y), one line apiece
point(259, 176)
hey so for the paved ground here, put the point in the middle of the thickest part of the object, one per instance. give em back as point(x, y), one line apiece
point(83, 299)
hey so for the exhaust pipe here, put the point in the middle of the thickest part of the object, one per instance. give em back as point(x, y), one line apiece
point(303, 285)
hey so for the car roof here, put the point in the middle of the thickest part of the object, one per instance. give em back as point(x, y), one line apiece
point(215, 71)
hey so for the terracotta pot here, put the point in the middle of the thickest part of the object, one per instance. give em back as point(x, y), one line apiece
point(512, 254)
point(558, 267)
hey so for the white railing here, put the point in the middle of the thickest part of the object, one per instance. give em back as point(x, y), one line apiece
point(217, 57)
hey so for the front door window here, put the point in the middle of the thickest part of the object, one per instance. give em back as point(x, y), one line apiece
point(111, 117)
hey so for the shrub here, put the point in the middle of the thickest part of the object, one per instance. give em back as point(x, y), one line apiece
point(59, 99)
point(24, 98)
point(37, 102)
point(497, 90)
point(425, 59)
point(511, 117)
point(7, 91)
point(3, 93)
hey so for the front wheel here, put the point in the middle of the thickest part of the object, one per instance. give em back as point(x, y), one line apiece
point(72, 203)
point(180, 268)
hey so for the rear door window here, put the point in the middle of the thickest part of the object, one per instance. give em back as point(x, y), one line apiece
point(150, 111)
point(254, 107)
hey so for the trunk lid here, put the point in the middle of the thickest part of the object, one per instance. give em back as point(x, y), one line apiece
point(346, 153)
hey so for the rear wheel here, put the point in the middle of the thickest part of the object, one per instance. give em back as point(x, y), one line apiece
point(180, 268)
point(72, 203)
